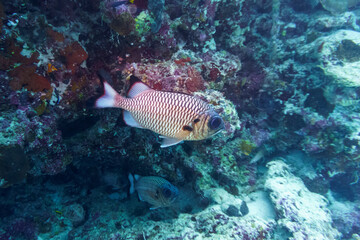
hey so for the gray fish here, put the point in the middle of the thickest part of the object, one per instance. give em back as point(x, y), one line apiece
point(155, 190)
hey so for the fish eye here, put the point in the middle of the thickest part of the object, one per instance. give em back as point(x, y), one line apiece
point(166, 192)
point(215, 122)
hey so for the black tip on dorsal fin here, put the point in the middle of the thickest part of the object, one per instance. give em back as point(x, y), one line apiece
point(136, 86)
point(104, 76)
point(133, 79)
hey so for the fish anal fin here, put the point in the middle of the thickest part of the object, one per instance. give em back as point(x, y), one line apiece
point(168, 141)
point(130, 120)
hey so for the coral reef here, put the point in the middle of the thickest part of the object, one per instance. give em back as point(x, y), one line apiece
point(302, 213)
point(338, 7)
point(338, 56)
point(156, 8)
point(283, 75)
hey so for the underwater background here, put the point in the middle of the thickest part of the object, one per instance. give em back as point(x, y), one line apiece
point(284, 75)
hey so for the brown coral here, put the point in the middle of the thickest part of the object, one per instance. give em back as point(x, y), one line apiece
point(74, 55)
point(25, 76)
point(182, 61)
point(195, 81)
point(55, 36)
point(10, 56)
point(23, 71)
point(123, 24)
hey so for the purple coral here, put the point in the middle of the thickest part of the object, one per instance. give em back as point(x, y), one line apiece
point(211, 8)
point(259, 135)
point(20, 229)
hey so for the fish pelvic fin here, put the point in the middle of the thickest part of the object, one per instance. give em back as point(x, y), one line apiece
point(132, 183)
point(168, 141)
point(130, 120)
point(108, 99)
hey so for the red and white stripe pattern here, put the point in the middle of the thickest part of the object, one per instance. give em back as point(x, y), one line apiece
point(175, 116)
point(167, 113)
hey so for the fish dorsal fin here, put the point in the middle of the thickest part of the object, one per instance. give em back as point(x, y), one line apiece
point(168, 141)
point(130, 120)
point(137, 86)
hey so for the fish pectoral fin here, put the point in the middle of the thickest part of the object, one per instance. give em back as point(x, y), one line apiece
point(130, 120)
point(168, 141)
point(153, 208)
point(140, 198)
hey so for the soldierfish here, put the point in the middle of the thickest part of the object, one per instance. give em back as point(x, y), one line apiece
point(154, 190)
point(175, 116)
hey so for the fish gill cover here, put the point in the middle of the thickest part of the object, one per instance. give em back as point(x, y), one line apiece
point(282, 75)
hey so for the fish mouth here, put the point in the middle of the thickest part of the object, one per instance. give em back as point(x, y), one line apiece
point(218, 131)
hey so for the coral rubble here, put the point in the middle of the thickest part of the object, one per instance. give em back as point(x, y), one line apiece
point(303, 213)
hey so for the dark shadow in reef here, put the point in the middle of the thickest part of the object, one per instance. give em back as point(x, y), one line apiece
point(343, 186)
point(318, 102)
point(69, 129)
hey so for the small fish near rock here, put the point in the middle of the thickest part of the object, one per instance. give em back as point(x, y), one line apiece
point(154, 190)
point(175, 116)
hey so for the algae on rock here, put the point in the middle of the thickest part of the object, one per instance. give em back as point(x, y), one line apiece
point(339, 56)
point(337, 6)
point(302, 212)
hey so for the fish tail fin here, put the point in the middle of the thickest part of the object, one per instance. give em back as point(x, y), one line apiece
point(108, 99)
point(132, 184)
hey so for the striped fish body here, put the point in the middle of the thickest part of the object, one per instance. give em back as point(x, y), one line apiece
point(167, 113)
point(154, 190)
point(175, 116)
